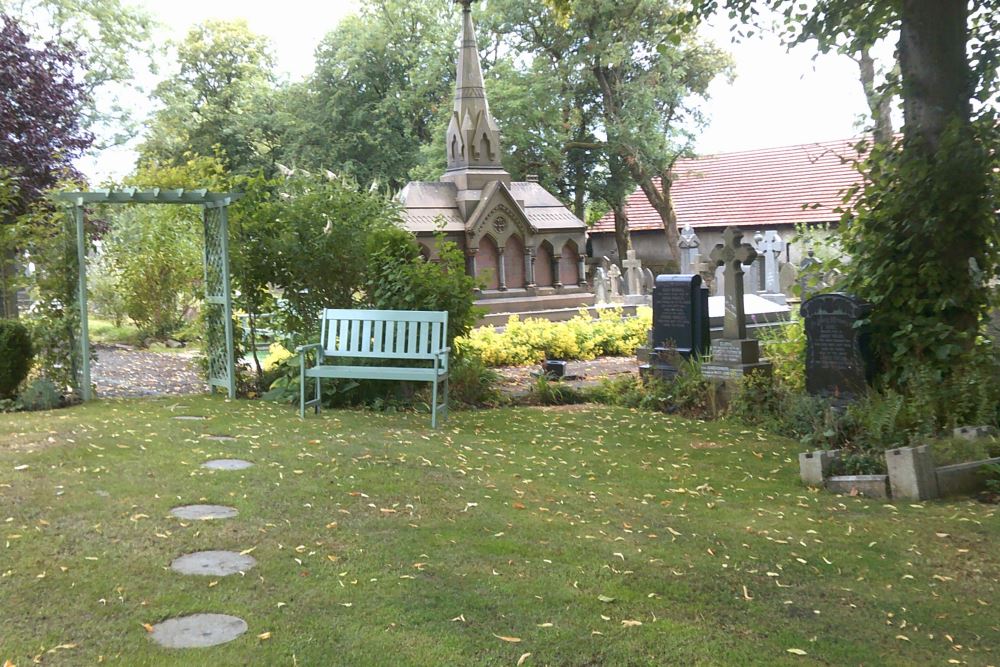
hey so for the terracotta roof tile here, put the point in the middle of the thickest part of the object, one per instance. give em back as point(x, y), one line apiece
point(785, 185)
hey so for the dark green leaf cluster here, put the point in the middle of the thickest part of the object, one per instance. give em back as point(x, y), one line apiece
point(399, 278)
point(16, 355)
point(924, 243)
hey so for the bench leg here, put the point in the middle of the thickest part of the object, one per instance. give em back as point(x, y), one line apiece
point(318, 401)
point(302, 392)
point(434, 403)
point(444, 402)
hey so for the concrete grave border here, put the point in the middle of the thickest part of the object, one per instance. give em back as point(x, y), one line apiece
point(912, 475)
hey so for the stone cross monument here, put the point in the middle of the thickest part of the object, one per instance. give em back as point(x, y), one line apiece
point(633, 273)
point(734, 355)
point(688, 244)
point(732, 253)
point(773, 247)
point(614, 274)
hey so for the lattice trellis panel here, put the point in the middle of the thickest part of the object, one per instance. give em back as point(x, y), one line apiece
point(218, 303)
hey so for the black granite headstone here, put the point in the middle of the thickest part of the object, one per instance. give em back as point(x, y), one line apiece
point(838, 357)
point(680, 314)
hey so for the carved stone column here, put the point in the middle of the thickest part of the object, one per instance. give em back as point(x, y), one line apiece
point(556, 277)
point(582, 271)
point(529, 268)
point(470, 262)
point(501, 270)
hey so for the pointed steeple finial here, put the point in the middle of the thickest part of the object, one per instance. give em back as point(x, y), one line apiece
point(473, 139)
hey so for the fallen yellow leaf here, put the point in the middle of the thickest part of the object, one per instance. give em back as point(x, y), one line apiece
point(796, 651)
point(630, 623)
point(512, 640)
point(520, 661)
point(149, 628)
point(264, 636)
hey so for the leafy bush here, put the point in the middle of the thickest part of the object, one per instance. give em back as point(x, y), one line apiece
point(16, 355)
point(309, 237)
point(947, 451)
point(992, 474)
point(41, 394)
point(530, 341)
point(689, 393)
point(471, 382)
point(785, 346)
point(399, 278)
point(54, 319)
point(107, 298)
point(552, 392)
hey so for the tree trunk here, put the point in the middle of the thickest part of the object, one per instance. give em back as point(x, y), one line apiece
point(623, 239)
point(936, 77)
point(879, 102)
point(661, 201)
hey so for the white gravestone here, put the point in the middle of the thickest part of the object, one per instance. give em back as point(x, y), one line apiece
point(771, 248)
point(688, 244)
point(614, 278)
point(600, 286)
point(633, 273)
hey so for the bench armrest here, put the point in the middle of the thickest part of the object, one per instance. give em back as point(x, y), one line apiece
point(301, 350)
point(441, 356)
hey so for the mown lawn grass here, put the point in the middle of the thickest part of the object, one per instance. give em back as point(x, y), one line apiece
point(381, 542)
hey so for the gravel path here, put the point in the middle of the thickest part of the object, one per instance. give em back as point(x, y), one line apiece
point(517, 380)
point(122, 371)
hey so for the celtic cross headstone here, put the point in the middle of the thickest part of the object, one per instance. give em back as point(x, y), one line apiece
point(732, 253)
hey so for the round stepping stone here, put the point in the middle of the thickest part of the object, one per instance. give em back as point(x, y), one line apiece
point(201, 512)
point(189, 418)
point(226, 464)
point(220, 438)
point(213, 563)
point(198, 630)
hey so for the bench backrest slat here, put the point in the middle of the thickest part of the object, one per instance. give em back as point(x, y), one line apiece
point(387, 334)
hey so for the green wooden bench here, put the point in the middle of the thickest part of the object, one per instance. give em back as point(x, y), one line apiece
point(411, 335)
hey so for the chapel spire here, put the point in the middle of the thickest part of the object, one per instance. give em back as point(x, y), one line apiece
point(473, 139)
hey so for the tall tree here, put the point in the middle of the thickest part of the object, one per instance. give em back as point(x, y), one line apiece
point(382, 83)
point(41, 131)
point(217, 103)
point(647, 73)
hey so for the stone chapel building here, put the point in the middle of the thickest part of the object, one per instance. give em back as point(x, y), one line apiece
point(516, 235)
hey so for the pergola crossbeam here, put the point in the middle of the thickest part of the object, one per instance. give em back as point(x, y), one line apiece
point(150, 196)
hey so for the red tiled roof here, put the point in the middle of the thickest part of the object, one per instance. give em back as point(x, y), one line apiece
point(754, 188)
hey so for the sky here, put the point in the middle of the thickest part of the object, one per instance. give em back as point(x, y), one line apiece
point(777, 98)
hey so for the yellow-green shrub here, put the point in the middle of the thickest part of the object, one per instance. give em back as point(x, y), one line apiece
point(532, 340)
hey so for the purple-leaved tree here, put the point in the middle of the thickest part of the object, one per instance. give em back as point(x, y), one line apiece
point(40, 128)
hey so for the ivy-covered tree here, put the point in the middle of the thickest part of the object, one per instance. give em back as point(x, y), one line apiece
point(41, 130)
point(923, 234)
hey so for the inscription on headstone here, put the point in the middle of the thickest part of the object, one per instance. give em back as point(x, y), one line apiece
point(838, 360)
point(680, 314)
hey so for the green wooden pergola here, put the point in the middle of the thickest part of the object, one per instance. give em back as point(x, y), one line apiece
point(218, 296)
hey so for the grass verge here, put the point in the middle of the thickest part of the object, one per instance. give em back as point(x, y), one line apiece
point(591, 535)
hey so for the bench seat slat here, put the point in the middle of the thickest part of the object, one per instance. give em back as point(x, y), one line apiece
point(374, 373)
point(366, 336)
